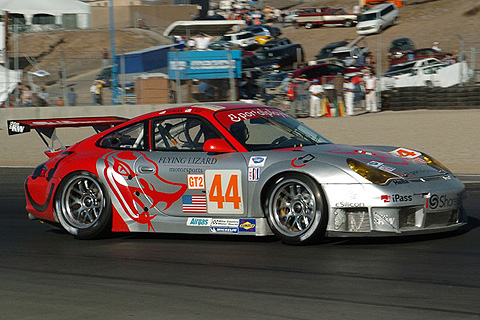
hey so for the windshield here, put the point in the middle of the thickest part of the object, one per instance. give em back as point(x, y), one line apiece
point(368, 17)
point(266, 129)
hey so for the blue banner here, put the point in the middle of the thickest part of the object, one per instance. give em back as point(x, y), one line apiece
point(215, 64)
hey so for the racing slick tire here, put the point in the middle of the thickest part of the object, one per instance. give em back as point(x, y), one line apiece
point(296, 210)
point(83, 206)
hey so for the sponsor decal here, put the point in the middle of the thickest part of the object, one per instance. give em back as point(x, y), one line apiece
point(406, 153)
point(196, 181)
point(187, 160)
point(247, 225)
point(253, 174)
point(302, 161)
point(443, 201)
point(381, 166)
point(188, 170)
point(383, 219)
point(257, 161)
point(232, 223)
point(15, 127)
point(396, 198)
point(368, 153)
point(397, 182)
point(223, 230)
point(188, 110)
point(345, 204)
point(253, 113)
point(194, 204)
point(199, 222)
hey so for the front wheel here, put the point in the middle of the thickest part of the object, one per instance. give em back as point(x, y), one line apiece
point(296, 210)
point(348, 23)
point(309, 25)
point(83, 206)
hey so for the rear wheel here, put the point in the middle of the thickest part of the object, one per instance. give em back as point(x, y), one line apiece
point(295, 210)
point(83, 206)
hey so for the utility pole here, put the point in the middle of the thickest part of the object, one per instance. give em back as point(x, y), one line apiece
point(113, 55)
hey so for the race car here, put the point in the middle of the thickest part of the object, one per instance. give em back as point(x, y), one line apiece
point(234, 169)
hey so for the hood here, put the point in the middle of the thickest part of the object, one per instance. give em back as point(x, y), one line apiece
point(403, 162)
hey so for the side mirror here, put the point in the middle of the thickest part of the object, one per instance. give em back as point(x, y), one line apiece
point(217, 146)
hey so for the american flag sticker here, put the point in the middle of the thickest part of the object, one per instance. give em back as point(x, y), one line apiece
point(253, 174)
point(194, 204)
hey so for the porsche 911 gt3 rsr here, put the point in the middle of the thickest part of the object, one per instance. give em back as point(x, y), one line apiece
point(235, 169)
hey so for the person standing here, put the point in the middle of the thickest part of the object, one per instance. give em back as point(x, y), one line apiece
point(93, 90)
point(370, 92)
point(316, 92)
point(44, 97)
point(348, 88)
point(98, 92)
point(301, 96)
point(72, 97)
point(105, 57)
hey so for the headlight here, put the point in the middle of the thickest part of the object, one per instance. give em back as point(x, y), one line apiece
point(434, 163)
point(372, 174)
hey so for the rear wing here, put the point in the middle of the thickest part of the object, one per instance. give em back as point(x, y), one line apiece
point(46, 127)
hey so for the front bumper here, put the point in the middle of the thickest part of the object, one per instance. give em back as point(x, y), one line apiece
point(413, 208)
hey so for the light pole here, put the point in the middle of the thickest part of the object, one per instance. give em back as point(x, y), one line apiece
point(461, 53)
point(112, 51)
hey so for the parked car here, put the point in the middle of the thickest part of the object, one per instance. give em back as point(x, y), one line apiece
point(263, 30)
point(325, 72)
point(399, 47)
point(274, 43)
point(419, 54)
point(292, 15)
point(378, 18)
point(243, 39)
point(333, 17)
point(326, 52)
point(349, 54)
point(281, 57)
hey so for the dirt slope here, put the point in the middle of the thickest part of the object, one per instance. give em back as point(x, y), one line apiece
point(422, 21)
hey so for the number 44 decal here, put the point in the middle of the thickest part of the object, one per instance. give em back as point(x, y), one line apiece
point(224, 191)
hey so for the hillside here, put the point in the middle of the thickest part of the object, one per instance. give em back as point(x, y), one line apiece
point(422, 21)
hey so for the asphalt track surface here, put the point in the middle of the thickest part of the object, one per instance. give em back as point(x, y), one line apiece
point(46, 273)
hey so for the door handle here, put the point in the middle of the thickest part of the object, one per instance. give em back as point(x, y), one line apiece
point(145, 169)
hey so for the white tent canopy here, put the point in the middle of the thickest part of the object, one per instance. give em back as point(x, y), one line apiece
point(56, 8)
point(8, 82)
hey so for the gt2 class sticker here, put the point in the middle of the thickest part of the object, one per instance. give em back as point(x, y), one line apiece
point(406, 153)
point(224, 191)
point(196, 181)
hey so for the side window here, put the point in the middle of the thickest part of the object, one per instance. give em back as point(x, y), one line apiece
point(182, 133)
point(131, 137)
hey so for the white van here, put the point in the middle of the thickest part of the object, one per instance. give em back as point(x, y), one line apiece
point(377, 18)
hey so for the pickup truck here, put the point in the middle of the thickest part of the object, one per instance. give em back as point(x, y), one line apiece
point(333, 17)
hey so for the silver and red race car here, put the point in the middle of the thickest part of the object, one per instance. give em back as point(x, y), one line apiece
point(237, 169)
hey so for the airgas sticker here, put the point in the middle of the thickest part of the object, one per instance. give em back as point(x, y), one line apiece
point(199, 222)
